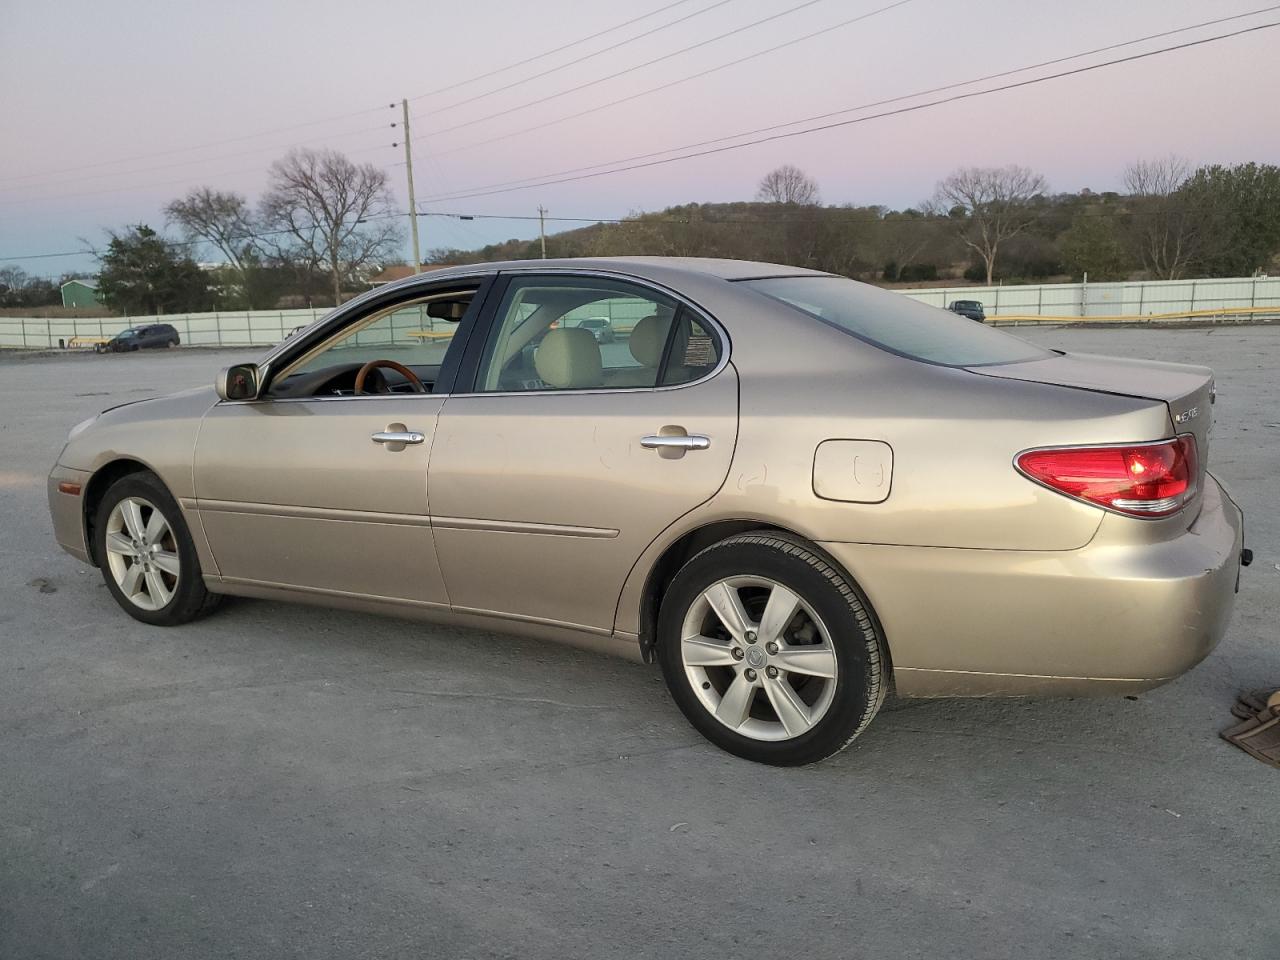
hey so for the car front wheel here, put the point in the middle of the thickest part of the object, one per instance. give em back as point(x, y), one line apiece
point(770, 651)
point(147, 557)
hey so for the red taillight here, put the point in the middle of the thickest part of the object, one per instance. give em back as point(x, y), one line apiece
point(1141, 480)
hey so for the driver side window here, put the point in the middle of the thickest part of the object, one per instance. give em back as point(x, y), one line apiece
point(416, 335)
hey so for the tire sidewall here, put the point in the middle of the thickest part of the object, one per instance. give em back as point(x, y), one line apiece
point(190, 589)
point(854, 680)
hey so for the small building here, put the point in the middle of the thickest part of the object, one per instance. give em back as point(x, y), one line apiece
point(80, 293)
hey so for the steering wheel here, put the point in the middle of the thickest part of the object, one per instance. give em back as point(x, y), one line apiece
point(399, 368)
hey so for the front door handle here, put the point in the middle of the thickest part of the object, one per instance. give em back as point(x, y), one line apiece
point(676, 442)
point(398, 436)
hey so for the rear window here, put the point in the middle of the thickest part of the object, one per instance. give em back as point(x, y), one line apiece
point(897, 323)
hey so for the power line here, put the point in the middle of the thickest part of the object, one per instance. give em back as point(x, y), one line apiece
point(573, 63)
point(194, 160)
point(620, 73)
point(257, 235)
point(167, 183)
point(340, 116)
point(958, 97)
point(827, 216)
point(673, 83)
point(198, 160)
point(548, 53)
point(844, 123)
point(810, 119)
point(186, 149)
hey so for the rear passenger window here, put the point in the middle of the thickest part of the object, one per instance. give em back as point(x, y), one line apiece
point(693, 352)
point(582, 333)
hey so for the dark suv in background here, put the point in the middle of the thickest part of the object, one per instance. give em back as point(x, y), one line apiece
point(968, 308)
point(141, 338)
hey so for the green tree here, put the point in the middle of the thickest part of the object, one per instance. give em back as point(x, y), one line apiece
point(1240, 209)
point(1093, 245)
point(142, 273)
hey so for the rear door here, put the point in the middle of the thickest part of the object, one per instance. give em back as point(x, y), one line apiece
point(568, 457)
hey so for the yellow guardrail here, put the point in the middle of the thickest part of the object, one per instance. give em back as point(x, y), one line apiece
point(1138, 318)
point(85, 341)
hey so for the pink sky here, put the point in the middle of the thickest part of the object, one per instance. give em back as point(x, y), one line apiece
point(92, 82)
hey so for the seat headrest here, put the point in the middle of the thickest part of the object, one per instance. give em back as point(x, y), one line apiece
point(569, 358)
point(648, 337)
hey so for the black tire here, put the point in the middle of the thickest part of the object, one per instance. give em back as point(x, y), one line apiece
point(190, 600)
point(861, 682)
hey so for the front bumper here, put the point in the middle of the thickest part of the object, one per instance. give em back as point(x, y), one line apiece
point(67, 510)
point(1113, 616)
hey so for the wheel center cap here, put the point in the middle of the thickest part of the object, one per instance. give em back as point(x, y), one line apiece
point(756, 657)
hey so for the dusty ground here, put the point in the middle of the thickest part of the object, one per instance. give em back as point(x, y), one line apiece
point(291, 782)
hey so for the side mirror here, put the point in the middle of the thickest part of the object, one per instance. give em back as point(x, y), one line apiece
point(239, 382)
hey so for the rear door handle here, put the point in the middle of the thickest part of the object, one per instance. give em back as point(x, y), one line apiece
point(398, 436)
point(677, 442)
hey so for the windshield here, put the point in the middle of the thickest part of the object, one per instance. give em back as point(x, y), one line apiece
point(897, 323)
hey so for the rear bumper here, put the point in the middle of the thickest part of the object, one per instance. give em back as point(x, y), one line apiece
point(1109, 617)
point(67, 510)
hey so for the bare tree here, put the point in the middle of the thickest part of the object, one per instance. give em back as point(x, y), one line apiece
point(989, 205)
point(222, 220)
point(330, 212)
point(1165, 228)
point(788, 184)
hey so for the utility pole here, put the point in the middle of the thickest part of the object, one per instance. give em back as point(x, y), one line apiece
point(413, 204)
point(542, 229)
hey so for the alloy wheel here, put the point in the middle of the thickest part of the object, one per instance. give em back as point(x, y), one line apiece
point(759, 658)
point(142, 553)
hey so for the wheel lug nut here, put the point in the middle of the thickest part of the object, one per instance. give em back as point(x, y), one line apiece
point(737, 653)
point(751, 636)
point(771, 647)
point(771, 672)
point(751, 675)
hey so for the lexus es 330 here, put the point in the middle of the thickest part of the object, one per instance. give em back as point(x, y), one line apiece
point(788, 489)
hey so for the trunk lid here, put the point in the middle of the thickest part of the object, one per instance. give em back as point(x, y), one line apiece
point(1185, 389)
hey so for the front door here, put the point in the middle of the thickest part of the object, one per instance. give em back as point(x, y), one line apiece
point(322, 486)
point(570, 455)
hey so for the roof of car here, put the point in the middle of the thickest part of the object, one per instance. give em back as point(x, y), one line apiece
point(651, 267)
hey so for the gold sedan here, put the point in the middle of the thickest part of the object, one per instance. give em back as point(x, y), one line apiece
point(789, 489)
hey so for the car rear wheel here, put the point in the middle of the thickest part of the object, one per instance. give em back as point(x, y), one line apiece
point(770, 651)
point(146, 553)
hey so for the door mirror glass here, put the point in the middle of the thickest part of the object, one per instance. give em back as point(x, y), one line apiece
point(239, 382)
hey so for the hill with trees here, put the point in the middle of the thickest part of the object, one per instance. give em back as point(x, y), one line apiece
point(981, 224)
point(325, 225)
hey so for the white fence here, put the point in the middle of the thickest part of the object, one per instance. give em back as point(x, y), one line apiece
point(1145, 299)
point(1126, 299)
point(242, 329)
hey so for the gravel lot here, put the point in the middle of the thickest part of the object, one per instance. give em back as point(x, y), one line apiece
point(282, 781)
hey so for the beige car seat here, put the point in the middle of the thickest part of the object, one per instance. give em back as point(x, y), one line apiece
point(648, 338)
point(569, 359)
